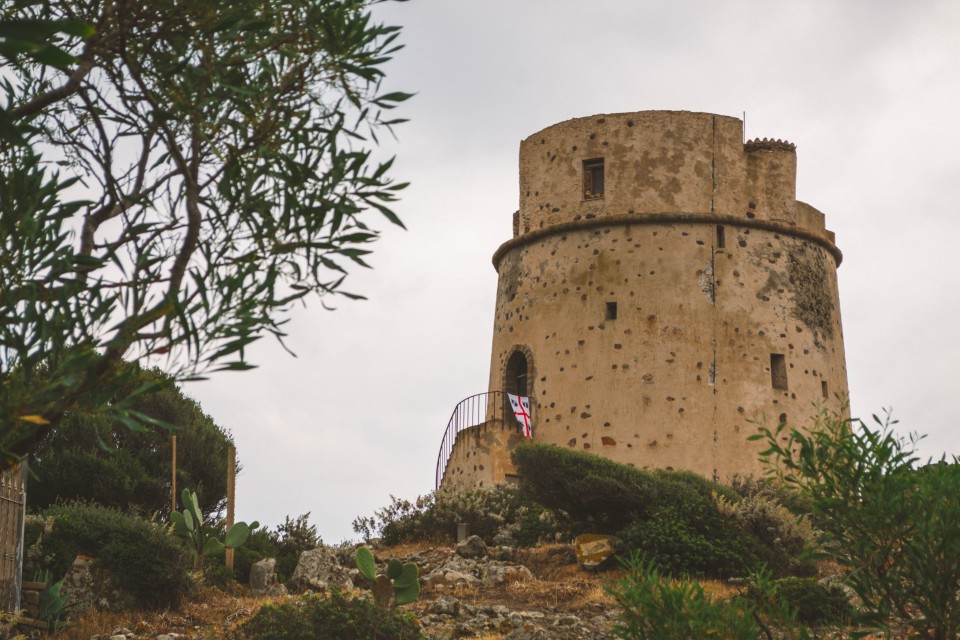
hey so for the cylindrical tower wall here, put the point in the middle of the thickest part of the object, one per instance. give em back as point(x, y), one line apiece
point(665, 315)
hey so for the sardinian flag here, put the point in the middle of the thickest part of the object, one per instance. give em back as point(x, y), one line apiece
point(521, 410)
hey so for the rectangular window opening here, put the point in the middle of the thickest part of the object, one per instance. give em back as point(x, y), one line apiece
point(593, 179)
point(824, 388)
point(778, 370)
point(611, 311)
point(721, 237)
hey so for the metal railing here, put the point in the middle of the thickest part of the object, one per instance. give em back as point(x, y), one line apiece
point(492, 406)
point(13, 498)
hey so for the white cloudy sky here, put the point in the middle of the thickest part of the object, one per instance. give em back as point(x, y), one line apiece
point(869, 90)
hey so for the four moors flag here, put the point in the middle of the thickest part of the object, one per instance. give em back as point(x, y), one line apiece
point(521, 409)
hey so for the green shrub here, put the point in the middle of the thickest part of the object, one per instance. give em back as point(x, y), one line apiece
point(783, 535)
point(653, 608)
point(675, 517)
point(813, 603)
point(678, 547)
point(142, 558)
point(893, 526)
point(292, 538)
point(436, 515)
point(69, 462)
point(330, 616)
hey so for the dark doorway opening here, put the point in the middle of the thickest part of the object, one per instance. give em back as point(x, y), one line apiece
point(517, 375)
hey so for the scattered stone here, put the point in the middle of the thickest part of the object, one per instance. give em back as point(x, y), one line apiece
point(319, 569)
point(86, 585)
point(446, 606)
point(263, 577)
point(472, 547)
point(593, 549)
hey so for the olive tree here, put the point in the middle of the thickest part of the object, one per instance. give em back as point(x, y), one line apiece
point(891, 524)
point(183, 176)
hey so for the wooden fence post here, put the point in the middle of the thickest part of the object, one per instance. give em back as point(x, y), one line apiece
point(173, 473)
point(231, 491)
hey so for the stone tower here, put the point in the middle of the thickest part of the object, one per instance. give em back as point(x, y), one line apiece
point(664, 291)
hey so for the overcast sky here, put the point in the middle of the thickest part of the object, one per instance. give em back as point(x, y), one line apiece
point(868, 90)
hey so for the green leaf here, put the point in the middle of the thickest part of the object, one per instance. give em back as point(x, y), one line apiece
point(366, 564)
point(407, 585)
point(179, 524)
point(212, 547)
point(394, 569)
point(237, 535)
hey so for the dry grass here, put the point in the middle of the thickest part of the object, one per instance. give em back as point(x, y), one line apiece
point(212, 611)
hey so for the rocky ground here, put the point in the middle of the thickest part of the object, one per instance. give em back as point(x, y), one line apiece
point(500, 592)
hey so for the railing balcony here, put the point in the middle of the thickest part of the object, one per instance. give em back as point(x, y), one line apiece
point(492, 406)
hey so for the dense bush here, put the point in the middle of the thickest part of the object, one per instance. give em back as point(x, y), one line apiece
point(655, 608)
point(141, 557)
point(674, 517)
point(92, 458)
point(783, 534)
point(893, 526)
point(435, 516)
point(814, 604)
point(333, 616)
point(679, 547)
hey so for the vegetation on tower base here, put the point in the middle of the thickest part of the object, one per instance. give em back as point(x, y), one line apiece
point(686, 523)
point(486, 511)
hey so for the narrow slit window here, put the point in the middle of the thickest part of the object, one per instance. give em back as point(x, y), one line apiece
point(824, 389)
point(721, 237)
point(611, 311)
point(593, 179)
point(778, 370)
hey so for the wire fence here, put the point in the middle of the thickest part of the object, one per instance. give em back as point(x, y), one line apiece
point(13, 502)
point(492, 406)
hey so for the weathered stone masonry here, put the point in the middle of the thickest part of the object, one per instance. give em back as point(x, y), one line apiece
point(667, 293)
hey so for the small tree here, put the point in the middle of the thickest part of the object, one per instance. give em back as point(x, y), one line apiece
point(894, 526)
point(223, 153)
point(95, 458)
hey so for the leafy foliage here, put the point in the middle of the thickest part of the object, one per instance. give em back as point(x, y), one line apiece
point(224, 154)
point(784, 535)
point(814, 604)
point(653, 608)
point(435, 516)
point(70, 462)
point(333, 616)
point(400, 584)
point(673, 517)
point(291, 538)
point(140, 556)
point(53, 604)
point(893, 526)
point(200, 537)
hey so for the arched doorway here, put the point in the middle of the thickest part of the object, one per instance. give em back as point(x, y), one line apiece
point(517, 375)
